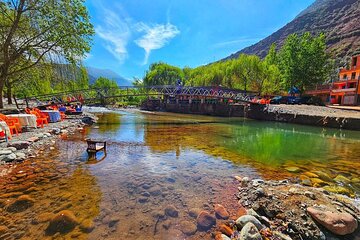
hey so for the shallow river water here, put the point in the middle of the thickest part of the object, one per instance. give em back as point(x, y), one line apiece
point(158, 161)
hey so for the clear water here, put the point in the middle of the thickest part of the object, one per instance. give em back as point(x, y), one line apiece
point(158, 160)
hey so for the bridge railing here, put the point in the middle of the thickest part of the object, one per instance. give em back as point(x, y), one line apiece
point(96, 94)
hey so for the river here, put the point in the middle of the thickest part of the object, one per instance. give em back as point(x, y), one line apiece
point(158, 161)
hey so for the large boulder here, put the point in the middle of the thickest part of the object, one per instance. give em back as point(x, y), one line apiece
point(335, 222)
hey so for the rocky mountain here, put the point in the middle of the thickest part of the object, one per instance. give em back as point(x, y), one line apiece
point(338, 19)
point(95, 73)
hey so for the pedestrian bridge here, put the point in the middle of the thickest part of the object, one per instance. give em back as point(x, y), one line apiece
point(103, 95)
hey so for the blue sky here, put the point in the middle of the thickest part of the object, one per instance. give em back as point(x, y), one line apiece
point(131, 34)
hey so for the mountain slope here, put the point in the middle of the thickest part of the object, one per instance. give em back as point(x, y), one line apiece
point(95, 73)
point(338, 19)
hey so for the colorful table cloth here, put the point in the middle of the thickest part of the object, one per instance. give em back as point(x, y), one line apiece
point(54, 115)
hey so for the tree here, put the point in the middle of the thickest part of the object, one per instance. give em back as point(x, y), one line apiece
point(303, 61)
point(31, 31)
point(162, 74)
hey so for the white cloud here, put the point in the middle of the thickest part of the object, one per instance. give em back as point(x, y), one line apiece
point(155, 37)
point(115, 30)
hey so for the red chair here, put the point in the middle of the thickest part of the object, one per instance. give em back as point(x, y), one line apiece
point(40, 121)
point(12, 121)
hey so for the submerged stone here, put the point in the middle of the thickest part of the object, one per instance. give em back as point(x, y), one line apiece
point(171, 211)
point(62, 222)
point(293, 169)
point(188, 228)
point(205, 220)
point(20, 204)
point(338, 189)
point(341, 178)
point(221, 212)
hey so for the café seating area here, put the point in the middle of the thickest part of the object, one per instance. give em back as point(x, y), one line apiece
point(29, 118)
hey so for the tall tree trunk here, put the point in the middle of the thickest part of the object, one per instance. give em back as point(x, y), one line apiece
point(8, 92)
point(2, 81)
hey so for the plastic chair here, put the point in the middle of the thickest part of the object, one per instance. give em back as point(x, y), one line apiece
point(40, 121)
point(28, 110)
point(42, 115)
point(13, 128)
point(12, 121)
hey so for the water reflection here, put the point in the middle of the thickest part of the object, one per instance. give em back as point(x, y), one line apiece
point(40, 190)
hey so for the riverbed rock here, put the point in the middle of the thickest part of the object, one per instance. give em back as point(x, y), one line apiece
point(3, 229)
point(9, 158)
point(226, 230)
point(220, 236)
point(205, 220)
point(63, 222)
point(324, 176)
point(20, 204)
point(20, 155)
point(44, 217)
point(188, 228)
point(335, 222)
point(306, 182)
point(250, 232)
point(19, 145)
point(243, 220)
point(194, 212)
point(155, 191)
point(338, 189)
point(87, 226)
point(318, 182)
point(5, 152)
point(171, 211)
point(293, 169)
point(221, 212)
point(342, 179)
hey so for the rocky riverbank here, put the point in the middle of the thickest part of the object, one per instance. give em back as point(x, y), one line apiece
point(33, 142)
point(284, 210)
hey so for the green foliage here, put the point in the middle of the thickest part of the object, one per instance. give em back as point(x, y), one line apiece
point(32, 32)
point(303, 61)
point(162, 74)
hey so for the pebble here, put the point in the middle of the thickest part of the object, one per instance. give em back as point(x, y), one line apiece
point(221, 212)
point(250, 232)
point(226, 230)
point(243, 220)
point(342, 179)
point(5, 152)
point(187, 227)
point(171, 211)
point(245, 181)
point(310, 195)
point(194, 212)
point(205, 220)
point(293, 169)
